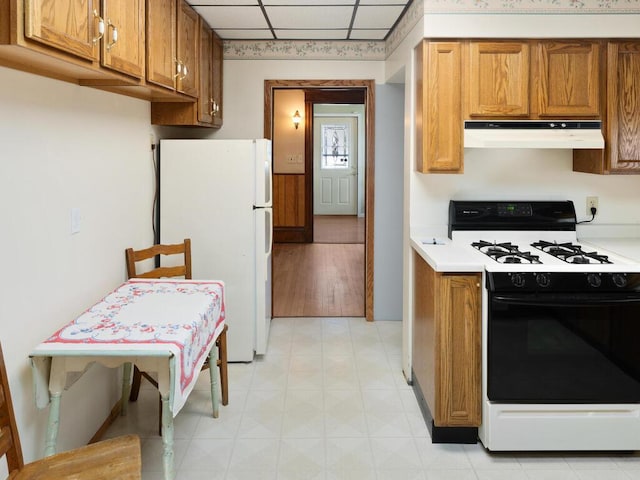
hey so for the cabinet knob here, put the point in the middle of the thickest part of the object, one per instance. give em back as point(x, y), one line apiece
point(100, 26)
point(114, 35)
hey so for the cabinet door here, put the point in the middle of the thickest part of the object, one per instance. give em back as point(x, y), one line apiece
point(458, 368)
point(623, 106)
point(439, 114)
point(217, 80)
point(498, 79)
point(569, 79)
point(123, 47)
point(69, 25)
point(187, 48)
point(205, 100)
point(161, 42)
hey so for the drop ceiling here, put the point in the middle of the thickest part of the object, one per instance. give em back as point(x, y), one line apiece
point(360, 20)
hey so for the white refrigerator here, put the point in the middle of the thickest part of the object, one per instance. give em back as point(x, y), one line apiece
point(218, 193)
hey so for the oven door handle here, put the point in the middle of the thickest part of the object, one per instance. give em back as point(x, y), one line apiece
point(568, 300)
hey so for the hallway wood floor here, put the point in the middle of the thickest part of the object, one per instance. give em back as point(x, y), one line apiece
point(338, 229)
point(318, 280)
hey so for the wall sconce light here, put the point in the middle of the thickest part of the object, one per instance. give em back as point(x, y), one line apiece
point(296, 119)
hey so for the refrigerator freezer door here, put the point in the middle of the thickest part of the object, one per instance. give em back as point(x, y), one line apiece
point(263, 176)
point(264, 243)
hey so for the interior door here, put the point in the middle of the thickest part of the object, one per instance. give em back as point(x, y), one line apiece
point(335, 163)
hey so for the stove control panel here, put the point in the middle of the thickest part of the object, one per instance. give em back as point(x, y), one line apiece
point(563, 282)
point(514, 210)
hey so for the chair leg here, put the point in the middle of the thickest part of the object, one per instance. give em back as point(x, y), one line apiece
point(135, 384)
point(222, 364)
point(159, 414)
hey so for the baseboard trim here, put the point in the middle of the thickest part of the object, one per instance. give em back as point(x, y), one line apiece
point(468, 435)
point(289, 235)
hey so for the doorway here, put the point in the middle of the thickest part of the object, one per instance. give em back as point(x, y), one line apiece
point(323, 92)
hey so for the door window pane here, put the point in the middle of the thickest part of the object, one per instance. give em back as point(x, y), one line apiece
point(335, 146)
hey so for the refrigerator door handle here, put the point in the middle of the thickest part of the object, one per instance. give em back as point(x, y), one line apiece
point(269, 230)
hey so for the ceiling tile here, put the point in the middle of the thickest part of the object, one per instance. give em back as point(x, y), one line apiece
point(377, 17)
point(308, 2)
point(223, 2)
point(247, 34)
point(232, 17)
point(384, 2)
point(369, 34)
point(310, 17)
point(312, 34)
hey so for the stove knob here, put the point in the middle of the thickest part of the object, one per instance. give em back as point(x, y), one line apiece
point(619, 280)
point(594, 280)
point(543, 280)
point(517, 279)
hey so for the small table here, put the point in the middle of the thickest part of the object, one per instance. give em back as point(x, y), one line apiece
point(166, 326)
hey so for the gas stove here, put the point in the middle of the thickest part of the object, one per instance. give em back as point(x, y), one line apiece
point(528, 237)
point(560, 368)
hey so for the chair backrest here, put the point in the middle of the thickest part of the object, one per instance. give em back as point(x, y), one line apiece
point(183, 270)
point(9, 439)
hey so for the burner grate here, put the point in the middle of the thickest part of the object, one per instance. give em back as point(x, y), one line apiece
point(505, 252)
point(570, 252)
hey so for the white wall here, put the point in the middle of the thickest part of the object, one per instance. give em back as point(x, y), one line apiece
point(524, 175)
point(387, 300)
point(65, 146)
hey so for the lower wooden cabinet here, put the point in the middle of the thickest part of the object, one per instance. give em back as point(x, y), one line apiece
point(447, 344)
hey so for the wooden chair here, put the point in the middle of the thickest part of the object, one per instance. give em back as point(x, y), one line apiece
point(116, 458)
point(182, 270)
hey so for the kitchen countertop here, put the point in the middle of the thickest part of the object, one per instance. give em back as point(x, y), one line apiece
point(437, 250)
point(626, 247)
point(443, 256)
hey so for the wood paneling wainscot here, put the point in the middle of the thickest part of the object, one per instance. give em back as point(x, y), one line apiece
point(288, 207)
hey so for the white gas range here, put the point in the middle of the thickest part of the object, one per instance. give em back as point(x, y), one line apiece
point(561, 366)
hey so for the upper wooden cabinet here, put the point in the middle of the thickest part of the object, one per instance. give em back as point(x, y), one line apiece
point(172, 46)
point(438, 120)
point(533, 79)
point(62, 39)
point(187, 47)
point(622, 120)
point(498, 79)
point(205, 101)
point(146, 49)
point(123, 42)
point(73, 26)
point(216, 80)
point(623, 107)
point(161, 42)
point(207, 111)
point(567, 78)
point(210, 100)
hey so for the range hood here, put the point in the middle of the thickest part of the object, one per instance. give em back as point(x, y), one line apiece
point(533, 134)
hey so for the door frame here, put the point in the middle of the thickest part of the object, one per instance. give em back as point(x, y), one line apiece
point(336, 86)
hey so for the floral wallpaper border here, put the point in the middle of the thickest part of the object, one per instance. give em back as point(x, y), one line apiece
point(380, 50)
point(533, 6)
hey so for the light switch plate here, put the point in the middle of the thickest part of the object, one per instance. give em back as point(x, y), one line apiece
point(75, 220)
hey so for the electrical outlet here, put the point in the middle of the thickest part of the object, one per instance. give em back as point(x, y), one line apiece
point(592, 202)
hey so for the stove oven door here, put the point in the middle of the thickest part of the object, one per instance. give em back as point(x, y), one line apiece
point(563, 348)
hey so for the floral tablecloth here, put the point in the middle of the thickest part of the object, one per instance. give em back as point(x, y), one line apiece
point(148, 317)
